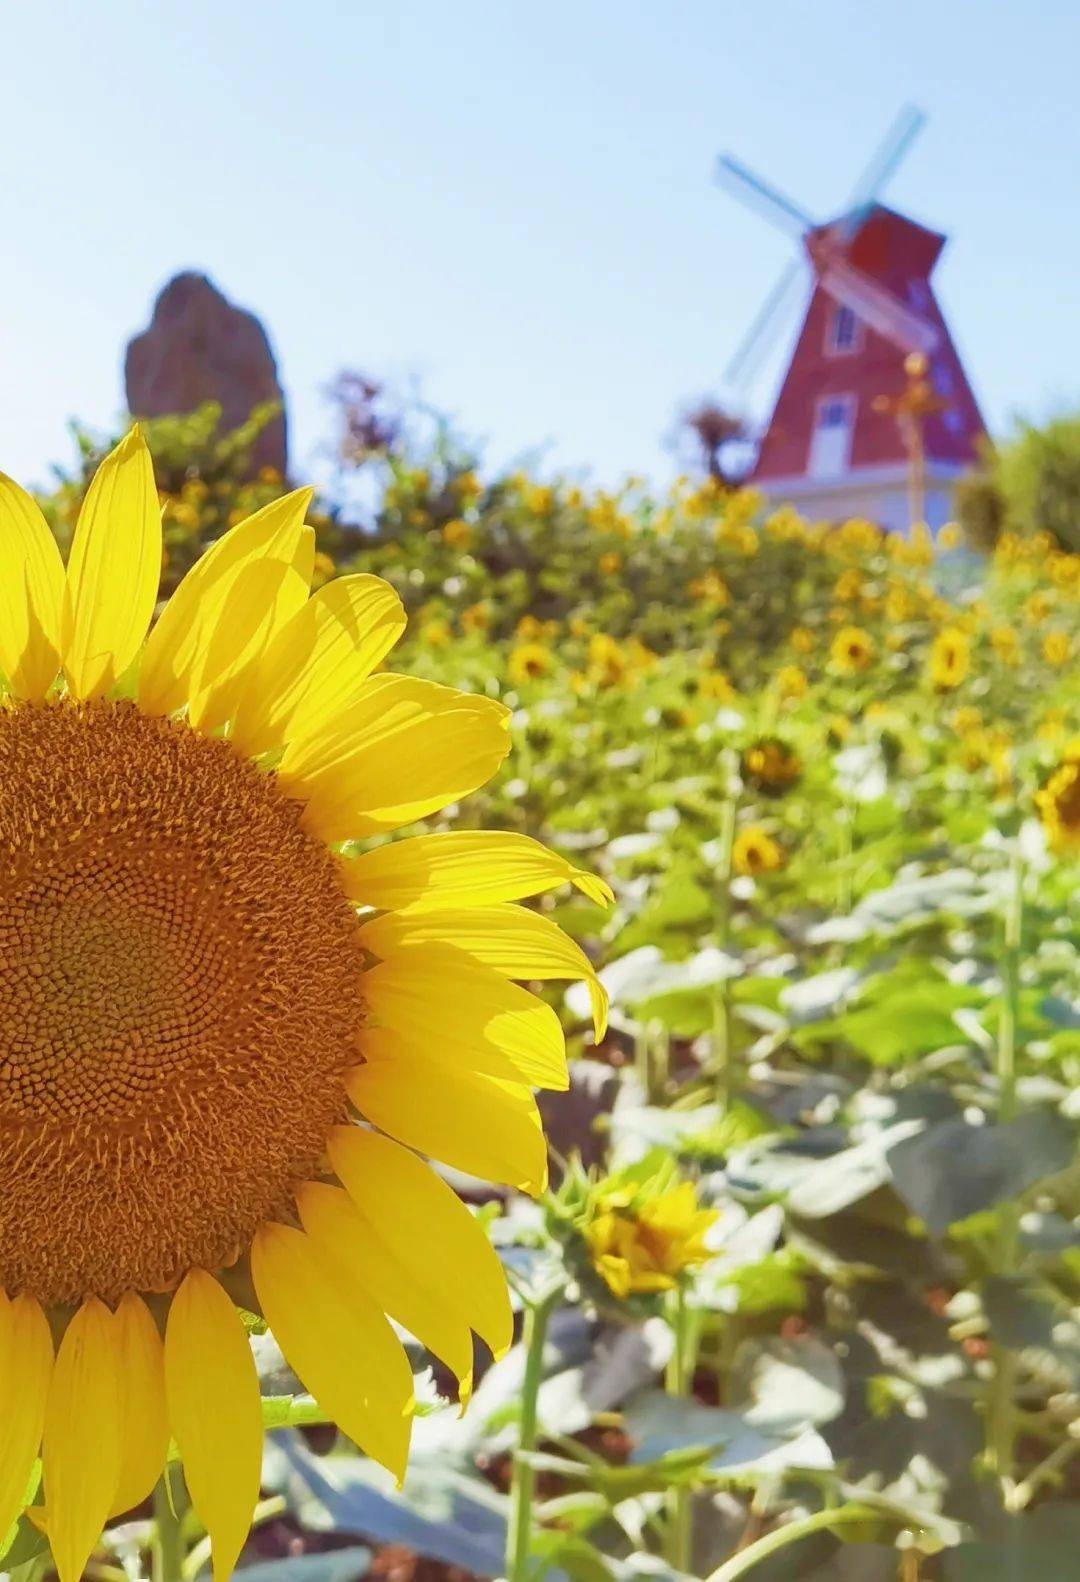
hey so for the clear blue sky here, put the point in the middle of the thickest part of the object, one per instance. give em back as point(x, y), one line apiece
point(513, 203)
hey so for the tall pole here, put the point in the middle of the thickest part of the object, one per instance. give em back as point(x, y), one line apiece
point(917, 402)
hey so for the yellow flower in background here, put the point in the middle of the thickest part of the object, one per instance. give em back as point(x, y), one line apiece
point(610, 562)
point(607, 664)
point(436, 633)
point(202, 995)
point(528, 662)
point(1056, 648)
point(801, 639)
point(852, 650)
point(754, 852)
point(530, 629)
point(1058, 802)
point(710, 588)
point(950, 658)
point(791, 681)
point(642, 1243)
point(966, 720)
point(475, 618)
point(1036, 608)
point(848, 586)
point(859, 535)
point(770, 765)
point(950, 536)
point(457, 533)
point(1051, 728)
point(716, 686)
point(899, 605)
point(468, 488)
point(1006, 644)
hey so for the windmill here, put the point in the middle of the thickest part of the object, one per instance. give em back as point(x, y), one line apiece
point(833, 445)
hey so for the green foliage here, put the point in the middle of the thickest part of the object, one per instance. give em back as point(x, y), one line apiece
point(1031, 484)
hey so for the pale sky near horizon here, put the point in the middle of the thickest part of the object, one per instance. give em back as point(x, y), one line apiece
point(513, 207)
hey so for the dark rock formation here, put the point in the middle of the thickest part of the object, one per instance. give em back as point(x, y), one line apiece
point(200, 347)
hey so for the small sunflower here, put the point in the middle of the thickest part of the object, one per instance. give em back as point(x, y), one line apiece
point(1056, 648)
point(528, 662)
point(771, 766)
point(1059, 802)
point(230, 1034)
point(950, 658)
point(852, 650)
point(754, 851)
point(791, 682)
point(1006, 645)
point(643, 1240)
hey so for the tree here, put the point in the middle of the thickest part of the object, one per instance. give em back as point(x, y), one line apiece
point(1031, 484)
point(707, 434)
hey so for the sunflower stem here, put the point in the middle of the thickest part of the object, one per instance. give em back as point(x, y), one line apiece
point(168, 1539)
point(678, 1538)
point(741, 1564)
point(721, 1028)
point(523, 1479)
point(1000, 1411)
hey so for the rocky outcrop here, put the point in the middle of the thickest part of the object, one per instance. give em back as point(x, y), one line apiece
point(201, 347)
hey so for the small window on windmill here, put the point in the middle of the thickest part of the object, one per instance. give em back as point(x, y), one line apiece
point(844, 334)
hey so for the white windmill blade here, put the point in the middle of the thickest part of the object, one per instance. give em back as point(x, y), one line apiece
point(906, 126)
point(762, 196)
point(755, 343)
point(878, 307)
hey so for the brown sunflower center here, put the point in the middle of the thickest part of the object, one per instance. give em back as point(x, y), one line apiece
point(179, 997)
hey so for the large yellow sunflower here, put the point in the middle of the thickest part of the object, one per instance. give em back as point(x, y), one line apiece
point(228, 1033)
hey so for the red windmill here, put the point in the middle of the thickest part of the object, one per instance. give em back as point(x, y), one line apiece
point(837, 444)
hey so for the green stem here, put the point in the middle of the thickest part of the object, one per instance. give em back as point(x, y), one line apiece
point(846, 844)
point(677, 1380)
point(721, 1029)
point(1001, 1423)
point(790, 1533)
point(523, 1480)
point(168, 1539)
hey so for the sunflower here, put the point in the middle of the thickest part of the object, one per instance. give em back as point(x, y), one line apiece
point(528, 662)
point(645, 1238)
point(1056, 648)
point(754, 851)
point(230, 1033)
point(852, 650)
point(791, 682)
point(950, 658)
point(1059, 801)
point(769, 765)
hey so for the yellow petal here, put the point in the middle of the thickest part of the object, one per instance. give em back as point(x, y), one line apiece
point(26, 1361)
point(215, 1412)
point(333, 1224)
point(510, 939)
point(113, 570)
point(443, 1005)
point(337, 1341)
point(81, 1449)
point(478, 1124)
point(404, 750)
point(263, 597)
point(461, 868)
point(317, 663)
point(31, 590)
point(145, 1427)
point(177, 665)
point(429, 1243)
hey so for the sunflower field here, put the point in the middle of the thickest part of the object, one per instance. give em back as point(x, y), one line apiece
point(797, 1293)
